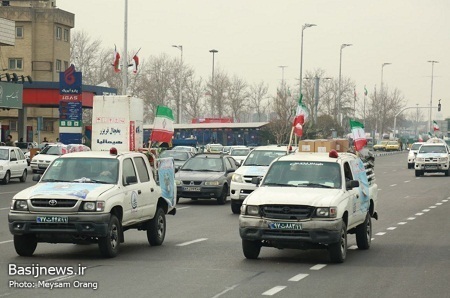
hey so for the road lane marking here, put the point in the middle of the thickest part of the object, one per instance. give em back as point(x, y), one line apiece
point(372, 239)
point(5, 208)
point(7, 241)
point(191, 242)
point(353, 247)
point(402, 223)
point(411, 218)
point(432, 207)
point(181, 208)
point(426, 210)
point(380, 233)
point(226, 290)
point(438, 204)
point(444, 200)
point(394, 185)
point(391, 228)
point(407, 181)
point(1, 193)
point(419, 213)
point(318, 267)
point(298, 277)
point(274, 290)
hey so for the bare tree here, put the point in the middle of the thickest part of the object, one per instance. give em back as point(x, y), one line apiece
point(85, 55)
point(218, 92)
point(194, 103)
point(257, 96)
point(237, 92)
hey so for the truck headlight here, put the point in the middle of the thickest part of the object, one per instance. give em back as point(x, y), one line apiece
point(326, 212)
point(444, 159)
point(420, 159)
point(178, 182)
point(1, 168)
point(20, 205)
point(252, 210)
point(212, 183)
point(93, 206)
point(237, 178)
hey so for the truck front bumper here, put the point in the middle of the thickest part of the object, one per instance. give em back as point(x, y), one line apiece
point(431, 167)
point(313, 232)
point(89, 225)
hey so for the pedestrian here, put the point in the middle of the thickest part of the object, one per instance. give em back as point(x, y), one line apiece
point(9, 141)
point(45, 140)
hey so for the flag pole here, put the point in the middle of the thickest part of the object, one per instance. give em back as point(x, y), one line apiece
point(125, 49)
point(290, 140)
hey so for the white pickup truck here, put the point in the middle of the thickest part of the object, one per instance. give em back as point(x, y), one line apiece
point(311, 200)
point(93, 197)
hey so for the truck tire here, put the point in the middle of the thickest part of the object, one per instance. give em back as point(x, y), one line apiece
point(156, 230)
point(7, 177)
point(364, 233)
point(221, 200)
point(447, 173)
point(25, 245)
point(109, 245)
point(338, 251)
point(235, 207)
point(251, 249)
point(23, 178)
point(418, 173)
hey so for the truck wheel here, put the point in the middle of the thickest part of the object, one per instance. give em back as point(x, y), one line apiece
point(364, 233)
point(23, 178)
point(235, 207)
point(223, 196)
point(25, 245)
point(7, 177)
point(251, 249)
point(338, 251)
point(156, 230)
point(109, 245)
point(418, 173)
point(447, 173)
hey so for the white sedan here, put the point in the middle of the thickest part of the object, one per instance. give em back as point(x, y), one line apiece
point(12, 164)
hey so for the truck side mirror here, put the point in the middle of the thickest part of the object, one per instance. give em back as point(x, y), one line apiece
point(351, 184)
point(36, 177)
point(256, 180)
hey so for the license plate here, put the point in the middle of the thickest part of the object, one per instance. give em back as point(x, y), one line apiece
point(285, 226)
point(42, 166)
point(191, 188)
point(431, 167)
point(52, 219)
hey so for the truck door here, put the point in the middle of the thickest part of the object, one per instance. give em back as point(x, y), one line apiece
point(148, 195)
point(132, 192)
point(354, 196)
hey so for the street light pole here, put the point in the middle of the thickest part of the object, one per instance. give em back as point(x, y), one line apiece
point(125, 49)
point(382, 66)
point(339, 84)
point(213, 51)
point(431, 97)
point(301, 56)
point(282, 78)
point(180, 98)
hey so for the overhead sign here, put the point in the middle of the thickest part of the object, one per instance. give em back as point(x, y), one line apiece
point(11, 95)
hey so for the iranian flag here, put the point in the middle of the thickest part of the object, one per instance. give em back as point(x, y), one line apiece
point(116, 60)
point(163, 125)
point(420, 138)
point(435, 126)
point(359, 135)
point(301, 116)
point(135, 63)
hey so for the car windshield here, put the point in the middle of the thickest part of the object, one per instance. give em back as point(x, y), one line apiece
point(83, 170)
point(51, 150)
point(177, 155)
point(262, 157)
point(215, 148)
point(432, 149)
point(203, 163)
point(416, 146)
point(4, 154)
point(392, 143)
point(240, 152)
point(182, 148)
point(304, 174)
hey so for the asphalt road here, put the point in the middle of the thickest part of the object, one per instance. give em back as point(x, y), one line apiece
point(202, 255)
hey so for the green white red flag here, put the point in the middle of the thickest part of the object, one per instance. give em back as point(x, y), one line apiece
point(116, 60)
point(301, 116)
point(435, 126)
point(359, 136)
point(163, 125)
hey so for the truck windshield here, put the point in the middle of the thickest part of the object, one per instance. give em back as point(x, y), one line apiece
point(92, 170)
point(262, 157)
point(304, 174)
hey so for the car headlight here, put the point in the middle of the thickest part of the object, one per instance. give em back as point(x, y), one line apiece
point(20, 205)
point(252, 210)
point(420, 159)
point(212, 183)
point(326, 212)
point(237, 178)
point(444, 159)
point(93, 206)
point(178, 182)
point(1, 168)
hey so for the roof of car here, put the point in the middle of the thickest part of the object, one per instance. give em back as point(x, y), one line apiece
point(309, 156)
point(98, 154)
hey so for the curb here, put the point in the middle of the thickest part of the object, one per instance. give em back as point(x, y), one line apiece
point(388, 153)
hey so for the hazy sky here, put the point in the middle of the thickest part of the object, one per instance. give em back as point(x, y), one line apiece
point(254, 37)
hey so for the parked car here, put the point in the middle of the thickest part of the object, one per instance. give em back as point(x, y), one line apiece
point(206, 176)
point(380, 146)
point(412, 154)
point(185, 148)
point(12, 164)
point(179, 157)
point(49, 153)
point(239, 153)
point(214, 148)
